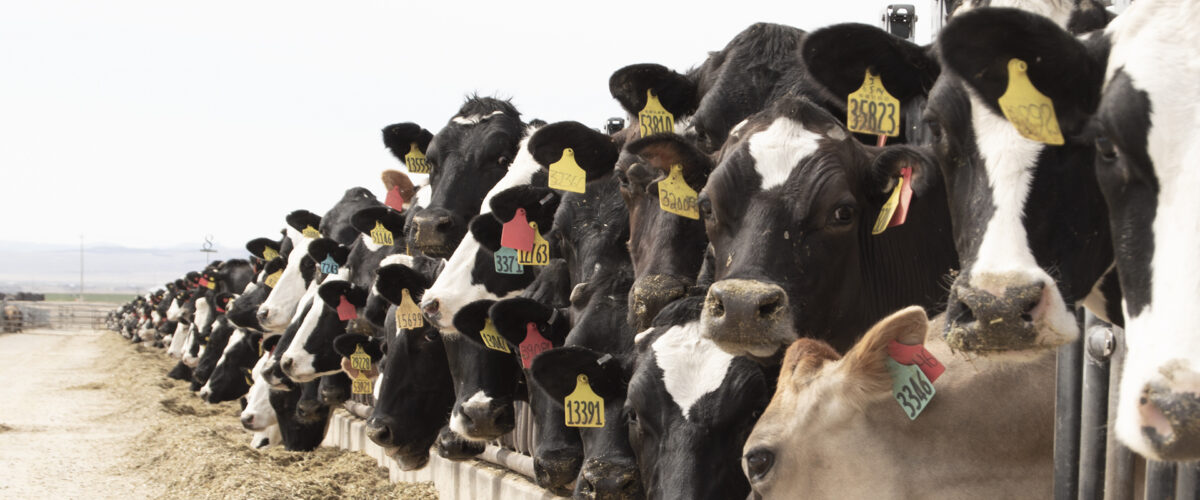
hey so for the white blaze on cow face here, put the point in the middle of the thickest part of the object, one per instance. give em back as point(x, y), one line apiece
point(1004, 259)
point(779, 148)
point(299, 362)
point(259, 414)
point(454, 287)
point(475, 119)
point(281, 304)
point(692, 366)
point(1161, 284)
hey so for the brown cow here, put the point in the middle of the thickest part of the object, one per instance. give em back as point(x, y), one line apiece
point(13, 318)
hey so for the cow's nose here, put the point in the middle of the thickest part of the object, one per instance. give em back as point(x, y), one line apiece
point(747, 316)
point(205, 393)
point(430, 307)
point(262, 315)
point(379, 431)
point(308, 409)
point(759, 462)
point(1168, 410)
point(487, 421)
point(556, 468)
point(248, 422)
point(650, 294)
point(434, 221)
point(994, 320)
point(609, 479)
point(286, 364)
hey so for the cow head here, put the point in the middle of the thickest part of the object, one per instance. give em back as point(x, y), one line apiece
point(486, 381)
point(230, 377)
point(279, 308)
point(310, 353)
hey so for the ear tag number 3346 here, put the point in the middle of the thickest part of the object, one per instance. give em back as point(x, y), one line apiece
point(911, 388)
point(583, 408)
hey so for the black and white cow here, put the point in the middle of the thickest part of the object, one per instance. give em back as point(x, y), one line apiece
point(789, 213)
point(309, 353)
point(467, 157)
point(278, 310)
point(230, 377)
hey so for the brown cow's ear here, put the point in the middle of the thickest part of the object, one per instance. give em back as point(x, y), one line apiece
point(865, 364)
point(802, 361)
point(398, 179)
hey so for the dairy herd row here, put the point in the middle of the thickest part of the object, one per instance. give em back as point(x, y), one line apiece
point(830, 264)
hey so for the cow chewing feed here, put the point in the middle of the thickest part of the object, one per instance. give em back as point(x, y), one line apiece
point(834, 429)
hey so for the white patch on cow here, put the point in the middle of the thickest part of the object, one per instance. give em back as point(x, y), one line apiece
point(204, 314)
point(179, 340)
point(397, 258)
point(250, 287)
point(370, 243)
point(474, 119)
point(1148, 41)
point(303, 368)
point(258, 401)
point(692, 365)
point(281, 303)
point(1095, 301)
point(637, 339)
point(779, 148)
point(477, 400)
point(155, 317)
point(454, 288)
point(424, 196)
point(1004, 259)
point(1058, 11)
point(174, 311)
point(267, 438)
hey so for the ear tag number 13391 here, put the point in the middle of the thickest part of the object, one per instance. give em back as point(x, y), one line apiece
point(583, 407)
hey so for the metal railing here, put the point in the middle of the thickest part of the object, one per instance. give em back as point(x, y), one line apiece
point(58, 315)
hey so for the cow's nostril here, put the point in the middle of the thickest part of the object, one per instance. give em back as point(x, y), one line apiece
point(430, 307)
point(716, 306)
point(759, 462)
point(286, 364)
point(965, 315)
point(770, 305)
point(262, 315)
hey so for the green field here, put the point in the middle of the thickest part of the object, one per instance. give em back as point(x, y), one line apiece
point(113, 298)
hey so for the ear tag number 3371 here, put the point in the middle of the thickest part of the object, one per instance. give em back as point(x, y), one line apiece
point(582, 407)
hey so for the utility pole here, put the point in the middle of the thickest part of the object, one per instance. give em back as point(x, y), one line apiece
point(208, 248)
point(80, 299)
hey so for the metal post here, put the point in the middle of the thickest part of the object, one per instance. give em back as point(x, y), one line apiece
point(1187, 481)
point(1099, 345)
point(1119, 465)
point(1160, 480)
point(1066, 420)
point(81, 268)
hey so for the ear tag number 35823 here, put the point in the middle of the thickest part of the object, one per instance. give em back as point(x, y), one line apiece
point(566, 174)
point(583, 407)
point(415, 160)
point(492, 339)
point(408, 315)
point(540, 256)
point(1030, 111)
point(911, 388)
point(872, 110)
point(676, 196)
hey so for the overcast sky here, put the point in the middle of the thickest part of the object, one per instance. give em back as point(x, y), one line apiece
point(154, 123)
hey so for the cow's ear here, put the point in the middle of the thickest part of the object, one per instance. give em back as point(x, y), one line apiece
point(978, 45)
point(321, 248)
point(663, 151)
point(558, 369)
point(486, 230)
point(839, 56)
point(331, 293)
point(398, 179)
point(253, 337)
point(471, 319)
point(223, 300)
point(803, 359)
point(365, 219)
point(269, 343)
point(391, 281)
point(511, 318)
point(539, 202)
point(400, 137)
point(276, 264)
point(865, 363)
point(346, 344)
point(676, 92)
point(889, 165)
point(595, 152)
point(301, 219)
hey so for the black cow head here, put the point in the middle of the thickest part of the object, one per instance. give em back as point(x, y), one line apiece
point(486, 380)
point(230, 377)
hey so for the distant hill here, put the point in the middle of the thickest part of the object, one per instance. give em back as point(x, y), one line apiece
point(44, 267)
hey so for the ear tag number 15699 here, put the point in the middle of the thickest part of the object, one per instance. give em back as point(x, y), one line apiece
point(408, 315)
point(583, 407)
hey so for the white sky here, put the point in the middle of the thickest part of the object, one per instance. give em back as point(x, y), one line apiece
point(154, 123)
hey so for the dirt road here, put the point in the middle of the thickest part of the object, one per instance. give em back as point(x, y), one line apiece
point(87, 415)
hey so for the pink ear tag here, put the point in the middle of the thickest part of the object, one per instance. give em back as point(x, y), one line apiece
point(917, 355)
point(203, 282)
point(517, 233)
point(346, 310)
point(533, 345)
point(906, 193)
point(394, 199)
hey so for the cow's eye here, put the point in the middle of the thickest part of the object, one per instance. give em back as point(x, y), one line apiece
point(503, 160)
point(1105, 149)
point(843, 215)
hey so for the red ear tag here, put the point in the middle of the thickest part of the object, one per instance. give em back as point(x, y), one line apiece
point(394, 199)
point(533, 345)
point(517, 233)
point(917, 355)
point(346, 310)
point(203, 282)
point(906, 192)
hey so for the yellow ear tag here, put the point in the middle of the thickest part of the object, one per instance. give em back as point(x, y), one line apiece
point(872, 110)
point(1030, 111)
point(211, 285)
point(582, 407)
point(408, 315)
point(565, 174)
point(250, 376)
point(539, 255)
point(654, 118)
point(491, 338)
point(889, 208)
point(415, 161)
point(273, 278)
point(381, 236)
point(676, 196)
point(269, 254)
point(361, 384)
point(309, 232)
point(360, 360)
